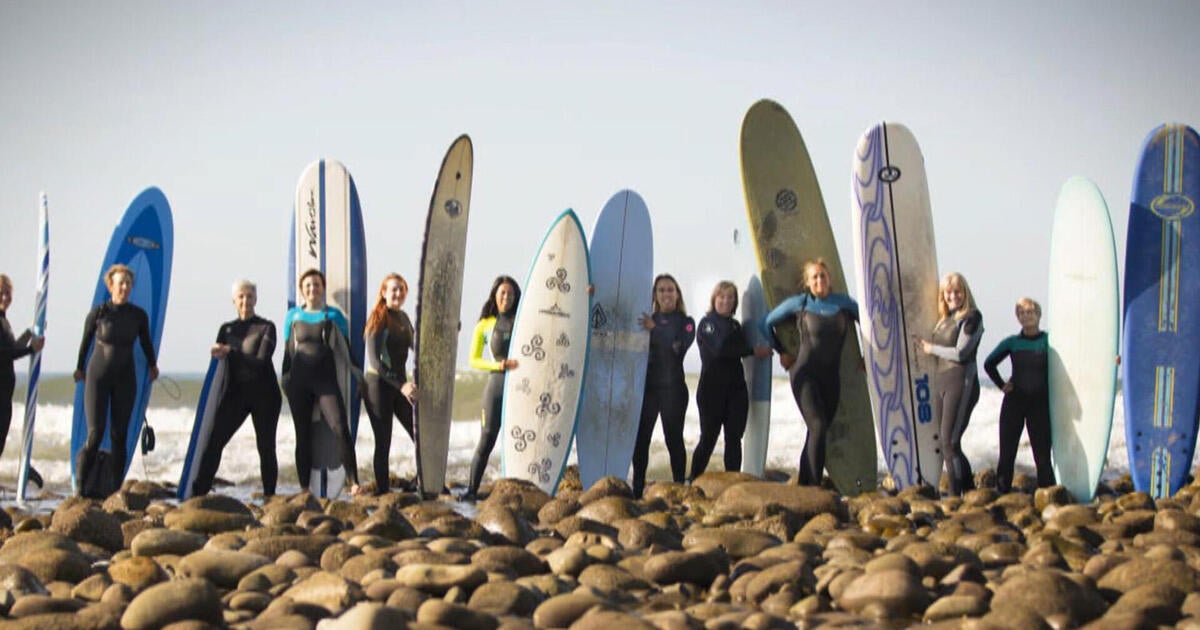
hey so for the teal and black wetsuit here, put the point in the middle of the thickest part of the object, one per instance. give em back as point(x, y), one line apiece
point(11, 349)
point(955, 342)
point(110, 385)
point(823, 324)
point(250, 390)
point(1026, 406)
point(494, 333)
point(310, 375)
point(666, 394)
point(387, 355)
point(721, 395)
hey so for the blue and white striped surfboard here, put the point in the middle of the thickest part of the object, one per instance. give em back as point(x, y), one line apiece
point(1159, 368)
point(35, 359)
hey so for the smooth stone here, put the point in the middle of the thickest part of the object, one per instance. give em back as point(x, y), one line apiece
point(357, 568)
point(1159, 603)
point(367, 616)
point(1048, 593)
point(406, 599)
point(438, 579)
point(561, 611)
point(694, 567)
point(503, 598)
point(266, 577)
point(601, 619)
point(748, 498)
point(738, 543)
point(331, 592)
point(436, 611)
point(171, 601)
point(1142, 571)
point(157, 541)
point(223, 568)
point(609, 486)
point(137, 572)
point(83, 522)
point(505, 558)
point(893, 593)
point(794, 574)
point(30, 605)
point(609, 578)
point(956, 607)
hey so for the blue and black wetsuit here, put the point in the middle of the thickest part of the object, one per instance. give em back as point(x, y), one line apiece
point(495, 333)
point(11, 349)
point(666, 394)
point(310, 375)
point(955, 342)
point(721, 395)
point(387, 356)
point(1026, 406)
point(823, 324)
point(110, 384)
point(250, 390)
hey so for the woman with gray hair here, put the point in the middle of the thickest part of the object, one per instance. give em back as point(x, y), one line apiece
point(247, 344)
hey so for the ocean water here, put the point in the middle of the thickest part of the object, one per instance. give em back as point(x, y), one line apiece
point(240, 464)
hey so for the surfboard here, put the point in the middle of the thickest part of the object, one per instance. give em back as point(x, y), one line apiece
point(758, 381)
point(327, 234)
point(439, 304)
point(144, 241)
point(1159, 370)
point(896, 259)
point(551, 334)
point(790, 226)
point(1082, 319)
point(41, 293)
point(622, 257)
point(206, 410)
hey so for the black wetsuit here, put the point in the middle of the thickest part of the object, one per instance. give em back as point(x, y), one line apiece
point(1026, 406)
point(11, 349)
point(823, 324)
point(721, 395)
point(110, 384)
point(310, 374)
point(955, 341)
point(250, 389)
point(666, 394)
point(496, 334)
point(387, 354)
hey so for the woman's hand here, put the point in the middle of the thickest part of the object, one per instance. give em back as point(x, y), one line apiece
point(923, 344)
point(646, 321)
point(78, 375)
point(786, 360)
point(1008, 387)
point(762, 352)
point(509, 364)
point(37, 343)
point(409, 391)
point(219, 351)
point(153, 373)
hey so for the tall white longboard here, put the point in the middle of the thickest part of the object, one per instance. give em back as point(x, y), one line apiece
point(550, 343)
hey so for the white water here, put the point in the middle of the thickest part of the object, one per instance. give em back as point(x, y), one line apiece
point(240, 462)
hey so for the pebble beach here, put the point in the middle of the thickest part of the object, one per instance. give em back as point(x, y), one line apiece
point(729, 551)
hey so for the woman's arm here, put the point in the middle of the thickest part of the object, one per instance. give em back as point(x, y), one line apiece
point(478, 341)
point(786, 309)
point(993, 360)
point(89, 335)
point(969, 334)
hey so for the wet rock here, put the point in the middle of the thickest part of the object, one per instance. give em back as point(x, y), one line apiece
point(748, 498)
point(368, 616)
point(795, 575)
point(333, 593)
point(83, 522)
point(436, 611)
point(607, 578)
point(712, 484)
point(1158, 603)
point(562, 610)
point(407, 599)
point(506, 524)
point(137, 572)
point(889, 593)
point(274, 546)
point(673, 567)
point(44, 604)
point(556, 510)
point(738, 543)
point(610, 509)
point(387, 523)
point(210, 514)
point(1048, 593)
point(503, 598)
point(600, 619)
point(437, 579)
point(173, 601)
point(607, 487)
point(956, 607)
point(158, 541)
point(1143, 571)
point(508, 559)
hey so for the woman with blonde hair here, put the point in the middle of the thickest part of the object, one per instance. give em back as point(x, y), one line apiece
point(954, 342)
point(11, 349)
point(388, 392)
point(721, 395)
point(671, 334)
point(111, 384)
point(823, 319)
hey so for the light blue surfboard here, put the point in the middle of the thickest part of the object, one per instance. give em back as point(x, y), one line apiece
point(1160, 370)
point(758, 380)
point(206, 411)
point(622, 254)
point(144, 241)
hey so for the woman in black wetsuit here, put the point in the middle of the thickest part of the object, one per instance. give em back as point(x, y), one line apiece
point(671, 334)
point(310, 377)
point(388, 392)
point(823, 319)
point(721, 395)
point(1026, 395)
point(954, 343)
point(111, 385)
point(493, 331)
point(11, 349)
point(247, 344)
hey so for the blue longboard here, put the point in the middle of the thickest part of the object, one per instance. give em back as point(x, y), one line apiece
point(622, 257)
point(1159, 368)
point(206, 412)
point(143, 241)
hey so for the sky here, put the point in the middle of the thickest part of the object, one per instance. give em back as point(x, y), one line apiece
point(222, 105)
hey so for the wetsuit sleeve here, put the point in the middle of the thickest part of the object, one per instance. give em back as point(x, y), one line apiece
point(969, 333)
point(736, 345)
point(707, 339)
point(374, 341)
point(851, 307)
point(266, 346)
point(287, 347)
point(339, 320)
point(686, 336)
point(89, 333)
point(786, 309)
point(993, 360)
point(21, 345)
point(478, 341)
point(144, 338)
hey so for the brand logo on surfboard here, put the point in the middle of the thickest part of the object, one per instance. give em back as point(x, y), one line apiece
point(889, 174)
point(785, 200)
point(310, 228)
point(924, 411)
point(142, 242)
point(1172, 206)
